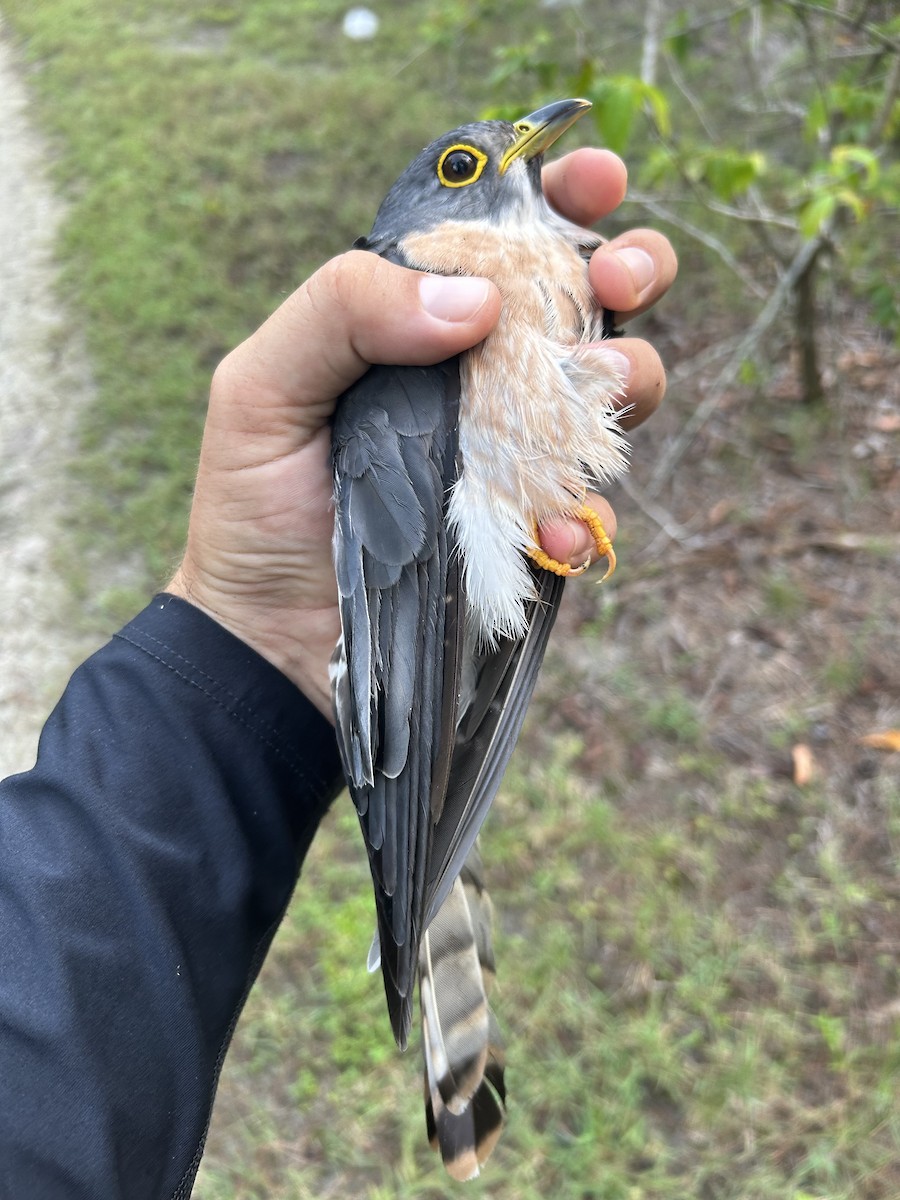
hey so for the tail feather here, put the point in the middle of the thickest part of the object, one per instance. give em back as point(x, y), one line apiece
point(464, 1056)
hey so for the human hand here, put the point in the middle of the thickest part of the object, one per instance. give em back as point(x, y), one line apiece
point(628, 274)
point(258, 555)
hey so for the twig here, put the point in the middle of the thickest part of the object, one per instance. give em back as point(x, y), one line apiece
point(891, 88)
point(650, 47)
point(745, 346)
point(848, 541)
point(764, 216)
point(699, 235)
point(835, 14)
point(680, 82)
point(728, 549)
point(689, 367)
point(655, 512)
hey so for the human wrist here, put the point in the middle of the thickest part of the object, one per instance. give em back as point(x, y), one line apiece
point(268, 631)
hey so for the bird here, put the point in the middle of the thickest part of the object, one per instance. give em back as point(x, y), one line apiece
point(442, 477)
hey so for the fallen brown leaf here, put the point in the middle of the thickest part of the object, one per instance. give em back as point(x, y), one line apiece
point(888, 739)
point(804, 764)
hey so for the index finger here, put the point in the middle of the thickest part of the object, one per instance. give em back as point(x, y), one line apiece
point(585, 185)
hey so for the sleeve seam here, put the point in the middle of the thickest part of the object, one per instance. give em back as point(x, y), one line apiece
point(188, 662)
point(260, 729)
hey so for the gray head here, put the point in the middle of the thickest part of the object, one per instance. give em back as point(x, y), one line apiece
point(489, 170)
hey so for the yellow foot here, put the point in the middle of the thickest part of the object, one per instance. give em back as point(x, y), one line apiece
point(601, 541)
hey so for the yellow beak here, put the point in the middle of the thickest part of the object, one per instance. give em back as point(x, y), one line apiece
point(540, 129)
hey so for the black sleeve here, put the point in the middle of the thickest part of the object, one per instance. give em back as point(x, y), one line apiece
point(145, 863)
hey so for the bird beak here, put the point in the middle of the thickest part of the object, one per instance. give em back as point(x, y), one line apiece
point(540, 129)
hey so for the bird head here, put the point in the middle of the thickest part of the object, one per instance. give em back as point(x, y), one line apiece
point(485, 171)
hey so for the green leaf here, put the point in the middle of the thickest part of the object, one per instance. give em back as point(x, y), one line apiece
point(848, 198)
point(618, 100)
point(658, 167)
point(614, 111)
point(816, 212)
point(679, 46)
point(845, 158)
point(528, 58)
point(749, 373)
point(679, 42)
point(501, 112)
point(816, 117)
point(659, 106)
point(583, 79)
point(728, 173)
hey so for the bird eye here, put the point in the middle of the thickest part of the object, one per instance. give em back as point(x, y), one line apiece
point(460, 165)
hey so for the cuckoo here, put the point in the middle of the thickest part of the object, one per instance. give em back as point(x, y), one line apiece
point(442, 477)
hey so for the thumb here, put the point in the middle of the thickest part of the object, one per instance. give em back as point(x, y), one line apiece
point(358, 309)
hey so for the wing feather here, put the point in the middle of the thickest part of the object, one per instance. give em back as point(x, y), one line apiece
point(486, 737)
point(394, 458)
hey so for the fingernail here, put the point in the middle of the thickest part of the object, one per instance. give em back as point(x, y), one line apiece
point(453, 297)
point(641, 266)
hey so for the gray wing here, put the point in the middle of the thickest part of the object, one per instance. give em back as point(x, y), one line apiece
point(394, 459)
point(423, 760)
point(489, 723)
point(426, 722)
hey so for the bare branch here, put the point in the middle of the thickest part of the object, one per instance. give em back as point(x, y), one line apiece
point(686, 368)
point(703, 237)
point(765, 216)
point(656, 513)
point(835, 14)
point(653, 15)
point(891, 89)
point(680, 82)
point(805, 256)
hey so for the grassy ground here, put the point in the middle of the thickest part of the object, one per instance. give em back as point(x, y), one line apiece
point(216, 155)
point(698, 954)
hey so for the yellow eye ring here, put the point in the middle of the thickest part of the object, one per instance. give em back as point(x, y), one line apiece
point(463, 168)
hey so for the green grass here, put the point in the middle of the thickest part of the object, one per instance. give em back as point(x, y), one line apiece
point(214, 155)
point(697, 960)
point(665, 1039)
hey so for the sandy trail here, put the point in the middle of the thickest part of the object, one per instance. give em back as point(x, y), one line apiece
point(44, 383)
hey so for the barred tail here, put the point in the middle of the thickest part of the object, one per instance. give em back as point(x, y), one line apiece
point(464, 1056)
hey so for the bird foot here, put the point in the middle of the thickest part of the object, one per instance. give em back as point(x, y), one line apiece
point(602, 543)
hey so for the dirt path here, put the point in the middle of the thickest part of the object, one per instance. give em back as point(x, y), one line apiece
point(44, 382)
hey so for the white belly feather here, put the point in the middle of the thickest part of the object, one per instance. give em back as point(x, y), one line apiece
point(537, 426)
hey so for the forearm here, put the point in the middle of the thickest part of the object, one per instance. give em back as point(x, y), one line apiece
point(144, 865)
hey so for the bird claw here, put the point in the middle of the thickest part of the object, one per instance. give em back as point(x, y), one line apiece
point(602, 543)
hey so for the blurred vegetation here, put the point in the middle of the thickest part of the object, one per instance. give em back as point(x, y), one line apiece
point(698, 954)
point(217, 153)
point(767, 133)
